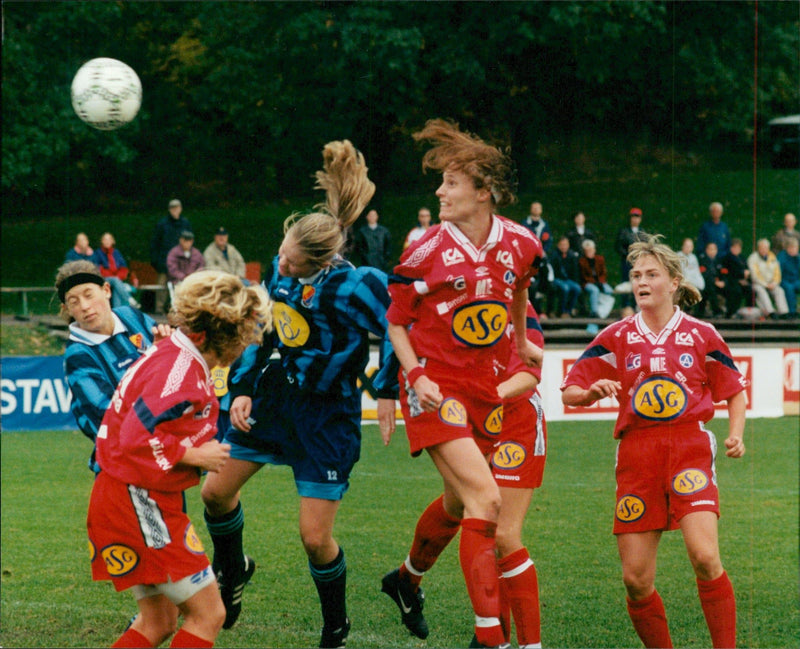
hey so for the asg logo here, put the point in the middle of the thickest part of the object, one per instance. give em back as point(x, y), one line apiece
point(192, 541)
point(630, 508)
point(480, 324)
point(659, 399)
point(494, 421)
point(683, 338)
point(453, 412)
point(689, 481)
point(119, 559)
point(452, 256)
point(505, 258)
point(633, 337)
point(508, 456)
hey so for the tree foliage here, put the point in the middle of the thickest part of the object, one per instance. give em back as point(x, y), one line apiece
point(240, 96)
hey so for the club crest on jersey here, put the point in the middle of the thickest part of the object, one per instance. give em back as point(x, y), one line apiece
point(686, 360)
point(480, 324)
point(453, 412)
point(629, 508)
point(509, 277)
point(308, 295)
point(219, 379)
point(119, 559)
point(192, 541)
point(493, 424)
point(659, 398)
point(508, 455)
point(292, 328)
point(452, 256)
point(137, 340)
point(689, 481)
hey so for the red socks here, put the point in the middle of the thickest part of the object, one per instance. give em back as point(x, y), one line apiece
point(519, 586)
point(478, 563)
point(650, 620)
point(435, 529)
point(132, 638)
point(719, 607)
point(188, 640)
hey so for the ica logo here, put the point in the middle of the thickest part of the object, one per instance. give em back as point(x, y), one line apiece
point(119, 559)
point(453, 412)
point(494, 421)
point(659, 398)
point(192, 541)
point(689, 481)
point(292, 328)
point(480, 324)
point(630, 508)
point(508, 456)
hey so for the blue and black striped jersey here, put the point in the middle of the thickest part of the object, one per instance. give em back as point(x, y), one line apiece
point(94, 365)
point(322, 329)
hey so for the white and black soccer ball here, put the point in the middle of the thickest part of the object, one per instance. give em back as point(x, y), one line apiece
point(106, 93)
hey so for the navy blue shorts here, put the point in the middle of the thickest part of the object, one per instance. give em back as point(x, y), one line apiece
point(319, 436)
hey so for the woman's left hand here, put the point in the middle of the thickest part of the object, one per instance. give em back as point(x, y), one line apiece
point(735, 446)
point(386, 419)
point(530, 354)
point(161, 331)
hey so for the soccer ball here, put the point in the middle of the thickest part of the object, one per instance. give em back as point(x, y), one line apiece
point(106, 93)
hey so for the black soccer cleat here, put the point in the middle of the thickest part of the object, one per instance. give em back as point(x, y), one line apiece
point(335, 638)
point(232, 592)
point(409, 602)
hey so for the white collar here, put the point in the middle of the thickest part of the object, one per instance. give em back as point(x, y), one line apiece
point(183, 341)
point(661, 337)
point(91, 338)
point(477, 254)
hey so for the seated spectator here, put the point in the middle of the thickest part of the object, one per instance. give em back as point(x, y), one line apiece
point(114, 269)
point(736, 276)
point(713, 293)
point(423, 223)
point(594, 280)
point(765, 276)
point(184, 259)
point(690, 264)
point(789, 262)
point(81, 251)
point(566, 277)
point(221, 255)
point(540, 287)
point(580, 233)
point(788, 231)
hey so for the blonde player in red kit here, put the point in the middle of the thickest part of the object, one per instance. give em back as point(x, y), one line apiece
point(666, 369)
point(156, 437)
point(452, 295)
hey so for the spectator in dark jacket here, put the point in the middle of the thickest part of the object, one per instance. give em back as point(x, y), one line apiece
point(713, 295)
point(114, 269)
point(714, 230)
point(165, 237)
point(540, 284)
point(627, 235)
point(184, 259)
point(373, 244)
point(580, 233)
point(81, 251)
point(566, 277)
point(789, 261)
point(736, 276)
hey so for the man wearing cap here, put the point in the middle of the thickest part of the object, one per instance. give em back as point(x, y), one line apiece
point(184, 259)
point(625, 237)
point(165, 238)
point(221, 255)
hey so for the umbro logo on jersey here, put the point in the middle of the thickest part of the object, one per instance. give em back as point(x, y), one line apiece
point(633, 337)
point(481, 271)
point(452, 256)
point(683, 338)
point(658, 350)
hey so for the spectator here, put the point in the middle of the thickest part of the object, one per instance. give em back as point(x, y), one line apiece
point(714, 229)
point(221, 255)
point(713, 295)
point(81, 251)
point(594, 280)
point(540, 286)
point(789, 262)
point(423, 223)
point(765, 276)
point(184, 259)
point(114, 269)
point(737, 278)
point(373, 244)
point(690, 265)
point(566, 277)
point(580, 232)
point(788, 231)
point(165, 237)
point(625, 237)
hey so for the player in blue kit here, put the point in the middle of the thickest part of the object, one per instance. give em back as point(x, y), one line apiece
point(304, 409)
point(103, 342)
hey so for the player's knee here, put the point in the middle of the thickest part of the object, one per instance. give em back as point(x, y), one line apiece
point(639, 581)
point(216, 500)
point(706, 563)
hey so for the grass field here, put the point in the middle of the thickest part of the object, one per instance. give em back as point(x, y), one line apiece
point(49, 600)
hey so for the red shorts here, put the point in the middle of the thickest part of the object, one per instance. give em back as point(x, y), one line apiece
point(520, 453)
point(137, 536)
point(471, 408)
point(664, 473)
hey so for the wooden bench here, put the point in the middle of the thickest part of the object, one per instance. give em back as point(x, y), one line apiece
point(148, 285)
point(23, 291)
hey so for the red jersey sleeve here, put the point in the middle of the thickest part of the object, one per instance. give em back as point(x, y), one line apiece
point(724, 377)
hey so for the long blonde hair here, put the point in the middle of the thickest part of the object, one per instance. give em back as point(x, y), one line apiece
point(687, 294)
point(454, 149)
point(322, 234)
point(218, 304)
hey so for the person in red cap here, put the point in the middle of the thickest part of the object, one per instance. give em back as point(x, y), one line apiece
point(625, 237)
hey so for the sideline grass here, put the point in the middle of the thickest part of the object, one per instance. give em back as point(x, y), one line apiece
point(49, 600)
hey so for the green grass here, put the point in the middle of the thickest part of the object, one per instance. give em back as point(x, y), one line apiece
point(29, 340)
point(49, 600)
point(674, 204)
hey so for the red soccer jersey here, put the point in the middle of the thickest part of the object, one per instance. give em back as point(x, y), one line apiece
point(457, 296)
point(674, 376)
point(164, 404)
